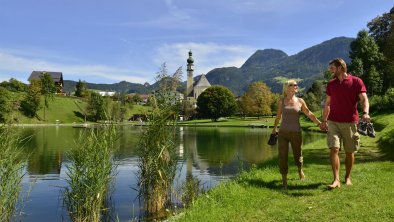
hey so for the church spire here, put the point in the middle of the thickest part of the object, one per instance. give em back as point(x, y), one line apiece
point(190, 70)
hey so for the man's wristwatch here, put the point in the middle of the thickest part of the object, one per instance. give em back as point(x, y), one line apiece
point(364, 113)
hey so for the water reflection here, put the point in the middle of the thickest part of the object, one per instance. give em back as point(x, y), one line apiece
point(210, 154)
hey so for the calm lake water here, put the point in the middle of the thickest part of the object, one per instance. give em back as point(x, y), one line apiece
point(210, 154)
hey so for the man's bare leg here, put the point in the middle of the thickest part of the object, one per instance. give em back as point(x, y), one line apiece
point(349, 161)
point(334, 157)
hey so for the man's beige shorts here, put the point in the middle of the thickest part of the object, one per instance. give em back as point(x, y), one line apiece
point(343, 132)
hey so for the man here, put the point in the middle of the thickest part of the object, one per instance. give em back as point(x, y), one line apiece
point(340, 117)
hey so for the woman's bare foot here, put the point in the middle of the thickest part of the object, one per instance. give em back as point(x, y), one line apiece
point(348, 182)
point(335, 184)
point(284, 181)
point(301, 174)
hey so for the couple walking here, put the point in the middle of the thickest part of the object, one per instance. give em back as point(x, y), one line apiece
point(339, 120)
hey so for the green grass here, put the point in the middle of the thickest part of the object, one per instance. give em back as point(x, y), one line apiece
point(90, 174)
point(258, 196)
point(60, 108)
point(11, 167)
point(65, 110)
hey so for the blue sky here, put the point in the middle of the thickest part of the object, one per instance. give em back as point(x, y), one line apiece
point(107, 41)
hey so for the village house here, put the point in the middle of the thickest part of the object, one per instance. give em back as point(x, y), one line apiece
point(56, 76)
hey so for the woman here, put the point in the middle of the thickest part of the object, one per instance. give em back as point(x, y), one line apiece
point(289, 108)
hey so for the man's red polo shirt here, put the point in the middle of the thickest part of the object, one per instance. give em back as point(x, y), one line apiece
point(344, 98)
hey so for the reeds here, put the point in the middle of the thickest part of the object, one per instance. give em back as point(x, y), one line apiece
point(157, 150)
point(11, 172)
point(90, 174)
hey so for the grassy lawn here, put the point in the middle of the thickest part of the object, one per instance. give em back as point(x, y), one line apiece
point(65, 110)
point(60, 108)
point(258, 196)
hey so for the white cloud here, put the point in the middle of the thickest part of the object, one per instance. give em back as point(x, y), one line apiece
point(207, 56)
point(16, 63)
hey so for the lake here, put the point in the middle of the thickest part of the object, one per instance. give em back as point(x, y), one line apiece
point(211, 154)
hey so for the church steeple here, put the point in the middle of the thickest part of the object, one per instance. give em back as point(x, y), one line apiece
point(190, 70)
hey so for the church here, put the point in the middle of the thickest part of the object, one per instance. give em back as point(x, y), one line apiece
point(194, 89)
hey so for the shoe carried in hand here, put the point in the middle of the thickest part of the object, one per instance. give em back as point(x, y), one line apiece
point(366, 129)
point(370, 130)
point(362, 128)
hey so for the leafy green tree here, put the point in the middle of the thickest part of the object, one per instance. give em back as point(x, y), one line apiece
point(375, 81)
point(356, 67)
point(365, 52)
point(312, 101)
point(81, 89)
point(216, 102)
point(5, 105)
point(314, 96)
point(274, 104)
point(257, 100)
point(381, 29)
point(32, 101)
point(48, 89)
point(14, 85)
point(136, 98)
point(96, 107)
point(187, 110)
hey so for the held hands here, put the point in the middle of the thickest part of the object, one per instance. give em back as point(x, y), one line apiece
point(323, 126)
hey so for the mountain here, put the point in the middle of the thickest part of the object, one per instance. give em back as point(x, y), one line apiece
point(268, 65)
point(123, 86)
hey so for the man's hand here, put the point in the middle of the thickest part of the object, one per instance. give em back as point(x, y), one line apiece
point(323, 126)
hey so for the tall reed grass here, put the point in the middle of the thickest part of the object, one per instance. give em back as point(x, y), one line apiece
point(157, 149)
point(91, 174)
point(11, 172)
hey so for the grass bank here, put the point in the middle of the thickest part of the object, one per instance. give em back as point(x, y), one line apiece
point(63, 109)
point(258, 195)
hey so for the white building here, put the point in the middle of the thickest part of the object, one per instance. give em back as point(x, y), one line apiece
point(194, 89)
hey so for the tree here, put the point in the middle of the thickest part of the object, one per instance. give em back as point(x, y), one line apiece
point(5, 104)
point(216, 102)
point(80, 89)
point(375, 81)
point(14, 85)
point(365, 53)
point(136, 98)
point(31, 103)
point(312, 102)
point(356, 67)
point(313, 96)
point(96, 107)
point(48, 89)
point(274, 104)
point(257, 100)
point(381, 29)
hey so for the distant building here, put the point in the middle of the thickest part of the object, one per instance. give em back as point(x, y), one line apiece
point(56, 76)
point(103, 93)
point(194, 89)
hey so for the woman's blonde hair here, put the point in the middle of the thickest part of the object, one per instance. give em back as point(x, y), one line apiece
point(286, 86)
